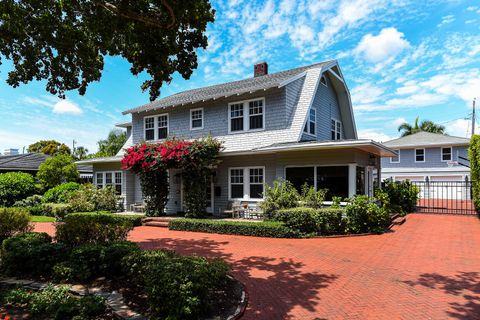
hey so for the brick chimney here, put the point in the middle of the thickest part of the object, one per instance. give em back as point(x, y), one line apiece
point(260, 69)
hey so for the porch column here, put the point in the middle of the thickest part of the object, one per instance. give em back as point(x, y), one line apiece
point(352, 179)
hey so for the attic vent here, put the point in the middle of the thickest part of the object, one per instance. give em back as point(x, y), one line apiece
point(260, 69)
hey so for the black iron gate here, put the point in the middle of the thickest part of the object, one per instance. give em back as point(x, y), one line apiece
point(447, 197)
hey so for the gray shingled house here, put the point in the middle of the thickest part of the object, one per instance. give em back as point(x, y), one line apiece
point(296, 124)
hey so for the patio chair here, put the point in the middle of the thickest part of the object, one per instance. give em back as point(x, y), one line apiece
point(232, 209)
point(137, 207)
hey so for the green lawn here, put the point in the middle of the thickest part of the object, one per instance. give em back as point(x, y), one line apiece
point(41, 219)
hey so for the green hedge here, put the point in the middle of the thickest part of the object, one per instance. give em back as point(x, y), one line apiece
point(93, 228)
point(474, 156)
point(60, 193)
point(13, 221)
point(309, 221)
point(15, 186)
point(260, 229)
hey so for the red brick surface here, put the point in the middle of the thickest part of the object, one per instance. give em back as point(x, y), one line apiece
point(428, 268)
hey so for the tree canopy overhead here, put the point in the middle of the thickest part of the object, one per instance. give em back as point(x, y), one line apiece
point(65, 42)
point(426, 125)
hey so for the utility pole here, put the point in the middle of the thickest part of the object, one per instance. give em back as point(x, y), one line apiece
point(473, 117)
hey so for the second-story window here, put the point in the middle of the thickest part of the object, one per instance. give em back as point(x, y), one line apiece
point(447, 154)
point(419, 155)
point(247, 115)
point(336, 130)
point(156, 127)
point(397, 158)
point(196, 119)
point(310, 125)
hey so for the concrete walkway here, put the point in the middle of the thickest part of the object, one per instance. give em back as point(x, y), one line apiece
point(428, 268)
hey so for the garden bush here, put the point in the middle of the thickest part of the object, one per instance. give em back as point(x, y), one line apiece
point(13, 221)
point(30, 201)
point(89, 198)
point(301, 220)
point(30, 254)
point(312, 198)
point(60, 193)
point(271, 229)
point(177, 287)
point(15, 186)
point(58, 210)
point(364, 215)
point(56, 302)
point(309, 221)
point(57, 170)
point(92, 228)
point(282, 195)
point(90, 261)
point(402, 195)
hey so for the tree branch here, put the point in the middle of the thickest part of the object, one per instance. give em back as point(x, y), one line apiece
point(134, 16)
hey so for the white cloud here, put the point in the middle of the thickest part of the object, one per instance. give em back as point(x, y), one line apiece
point(387, 44)
point(373, 134)
point(416, 100)
point(446, 20)
point(472, 8)
point(65, 106)
point(366, 93)
point(461, 128)
point(397, 122)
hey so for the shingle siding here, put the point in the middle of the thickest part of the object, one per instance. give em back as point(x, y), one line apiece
point(432, 158)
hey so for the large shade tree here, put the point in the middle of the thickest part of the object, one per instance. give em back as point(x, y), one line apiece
point(65, 42)
point(49, 147)
point(426, 125)
point(112, 144)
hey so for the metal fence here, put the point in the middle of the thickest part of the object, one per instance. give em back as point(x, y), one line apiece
point(447, 197)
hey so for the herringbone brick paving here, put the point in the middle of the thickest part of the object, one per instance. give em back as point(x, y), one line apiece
point(428, 268)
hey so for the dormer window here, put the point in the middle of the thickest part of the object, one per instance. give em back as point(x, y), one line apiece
point(246, 115)
point(156, 127)
point(336, 130)
point(323, 80)
point(310, 125)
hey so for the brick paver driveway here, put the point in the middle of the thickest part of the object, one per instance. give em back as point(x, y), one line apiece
point(428, 268)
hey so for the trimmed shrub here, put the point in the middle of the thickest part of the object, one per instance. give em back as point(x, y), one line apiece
point(331, 221)
point(60, 193)
point(57, 170)
point(15, 186)
point(301, 220)
point(282, 195)
point(271, 229)
point(177, 287)
point(13, 221)
point(93, 260)
point(89, 198)
point(92, 228)
point(402, 195)
point(105, 199)
point(363, 215)
point(30, 254)
point(31, 201)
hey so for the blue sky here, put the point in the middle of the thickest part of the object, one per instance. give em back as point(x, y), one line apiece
point(400, 58)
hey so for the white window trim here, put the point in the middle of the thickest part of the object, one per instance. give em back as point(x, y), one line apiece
point(314, 169)
point(191, 119)
point(323, 77)
point(391, 158)
point(341, 128)
point(155, 126)
point(415, 155)
point(441, 153)
point(246, 116)
point(246, 183)
point(104, 180)
point(307, 123)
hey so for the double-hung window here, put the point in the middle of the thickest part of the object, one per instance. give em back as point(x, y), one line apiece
point(196, 119)
point(397, 158)
point(336, 130)
point(310, 125)
point(113, 179)
point(246, 115)
point(156, 127)
point(419, 155)
point(447, 154)
point(247, 183)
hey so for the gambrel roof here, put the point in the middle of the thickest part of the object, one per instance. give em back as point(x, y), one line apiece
point(224, 90)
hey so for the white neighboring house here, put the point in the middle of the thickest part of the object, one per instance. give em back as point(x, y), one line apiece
point(426, 156)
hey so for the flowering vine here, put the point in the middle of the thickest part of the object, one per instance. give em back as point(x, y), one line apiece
point(150, 162)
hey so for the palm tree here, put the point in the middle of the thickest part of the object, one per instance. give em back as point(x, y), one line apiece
point(426, 125)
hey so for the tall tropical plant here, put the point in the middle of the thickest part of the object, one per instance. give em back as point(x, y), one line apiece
point(426, 125)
